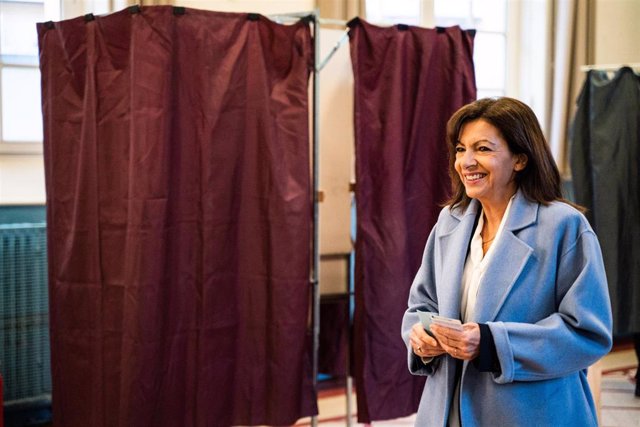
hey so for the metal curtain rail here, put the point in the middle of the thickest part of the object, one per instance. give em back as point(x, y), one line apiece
point(316, 209)
point(608, 67)
point(317, 21)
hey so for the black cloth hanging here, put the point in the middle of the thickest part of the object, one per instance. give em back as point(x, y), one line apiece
point(605, 166)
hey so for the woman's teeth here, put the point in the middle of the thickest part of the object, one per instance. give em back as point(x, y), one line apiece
point(474, 177)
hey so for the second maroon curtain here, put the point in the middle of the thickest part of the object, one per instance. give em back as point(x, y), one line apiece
point(179, 218)
point(408, 82)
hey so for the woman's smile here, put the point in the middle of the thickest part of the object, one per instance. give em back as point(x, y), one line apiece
point(474, 178)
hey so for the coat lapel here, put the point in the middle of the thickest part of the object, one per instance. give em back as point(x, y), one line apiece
point(510, 256)
point(454, 244)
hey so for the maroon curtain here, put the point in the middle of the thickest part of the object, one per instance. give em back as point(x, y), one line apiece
point(179, 218)
point(408, 82)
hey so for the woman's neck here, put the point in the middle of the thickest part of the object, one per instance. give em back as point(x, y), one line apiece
point(493, 210)
point(492, 214)
point(492, 217)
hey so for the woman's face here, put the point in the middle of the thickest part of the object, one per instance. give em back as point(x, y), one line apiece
point(485, 164)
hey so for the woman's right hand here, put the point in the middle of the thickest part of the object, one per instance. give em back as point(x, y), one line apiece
point(424, 345)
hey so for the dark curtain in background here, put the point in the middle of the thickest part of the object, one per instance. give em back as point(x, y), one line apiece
point(334, 335)
point(179, 217)
point(408, 82)
point(605, 164)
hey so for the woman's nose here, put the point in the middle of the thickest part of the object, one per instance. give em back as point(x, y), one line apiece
point(469, 159)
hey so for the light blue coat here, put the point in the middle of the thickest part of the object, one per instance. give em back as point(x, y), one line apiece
point(545, 298)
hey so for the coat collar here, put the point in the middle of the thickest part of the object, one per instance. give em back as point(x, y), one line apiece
point(523, 212)
point(510, 257)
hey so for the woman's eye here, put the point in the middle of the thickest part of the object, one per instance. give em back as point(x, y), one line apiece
point(483, 148)
point(459, 150)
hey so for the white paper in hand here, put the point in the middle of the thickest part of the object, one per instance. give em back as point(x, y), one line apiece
point(447, 322)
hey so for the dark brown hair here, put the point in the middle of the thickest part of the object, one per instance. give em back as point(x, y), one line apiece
point(518, 125)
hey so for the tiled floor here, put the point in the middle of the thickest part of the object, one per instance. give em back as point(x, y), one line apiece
point(618, 405)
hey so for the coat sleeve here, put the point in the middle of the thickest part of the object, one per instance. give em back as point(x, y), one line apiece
point(572, 338)
point(421, 297)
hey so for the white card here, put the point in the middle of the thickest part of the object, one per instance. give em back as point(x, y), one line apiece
point(447, 322)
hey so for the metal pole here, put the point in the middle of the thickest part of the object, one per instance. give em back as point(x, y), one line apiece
point(316, 213)
point(349, 400)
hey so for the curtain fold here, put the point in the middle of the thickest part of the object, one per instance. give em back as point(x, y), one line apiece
point(179, 218)
point(408, 82)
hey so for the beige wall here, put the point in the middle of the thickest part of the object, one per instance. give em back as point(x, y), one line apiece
point(617, 32)
point(336, 162)
point(334, 274)
point(336, 144)
point(21, 180)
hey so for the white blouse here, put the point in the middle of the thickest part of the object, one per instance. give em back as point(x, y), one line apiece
point(476, 265)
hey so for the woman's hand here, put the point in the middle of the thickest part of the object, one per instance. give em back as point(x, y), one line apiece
point(463, 344)
point(423, 345)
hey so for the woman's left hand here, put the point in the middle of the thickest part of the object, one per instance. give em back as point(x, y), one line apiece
point(464, 345)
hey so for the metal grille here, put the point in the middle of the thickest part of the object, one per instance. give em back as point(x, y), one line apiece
point(24, 311)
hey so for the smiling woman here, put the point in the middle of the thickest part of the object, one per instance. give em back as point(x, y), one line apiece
point(506, 238)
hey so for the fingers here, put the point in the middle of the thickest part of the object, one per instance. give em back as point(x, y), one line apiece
point(421, 335)
point(459, 344)
point(446, 336)
point(431, 345)
point(422, 344)
point(426, 351)
point(463, 344)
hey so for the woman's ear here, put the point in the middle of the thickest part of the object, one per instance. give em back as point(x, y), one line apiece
point(521, 162)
